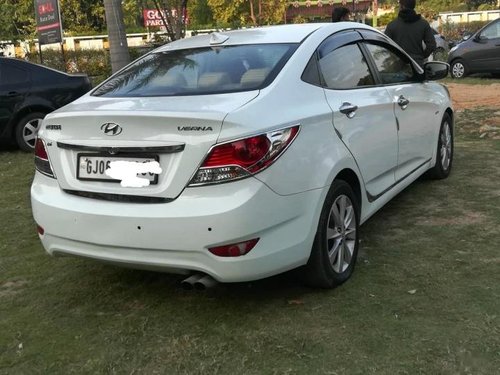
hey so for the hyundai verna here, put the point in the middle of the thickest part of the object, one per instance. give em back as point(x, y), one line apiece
point(241, 155)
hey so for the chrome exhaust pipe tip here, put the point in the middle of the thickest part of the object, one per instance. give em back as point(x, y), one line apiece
point(188, 283)
point(205, 282)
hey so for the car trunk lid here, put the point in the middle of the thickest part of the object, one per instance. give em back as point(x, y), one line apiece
point(175, 131)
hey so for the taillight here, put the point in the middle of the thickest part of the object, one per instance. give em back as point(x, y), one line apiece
point(242, 158)
point(42, 163)
point(235, 249)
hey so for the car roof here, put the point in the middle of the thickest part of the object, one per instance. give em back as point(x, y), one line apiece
point(294, 33)
point(31, 65)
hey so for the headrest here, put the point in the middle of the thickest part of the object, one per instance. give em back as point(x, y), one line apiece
point(215, 79)
point(254, 77)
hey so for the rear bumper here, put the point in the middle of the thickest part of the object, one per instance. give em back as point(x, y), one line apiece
point(175, 236)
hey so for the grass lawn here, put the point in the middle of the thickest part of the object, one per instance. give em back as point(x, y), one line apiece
point(425, 297)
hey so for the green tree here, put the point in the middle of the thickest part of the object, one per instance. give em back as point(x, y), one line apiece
point(200, 14)
point(17, 19)
point(267, 12)
point(82, 16)
point(475, 4)
point(248, 12)
point(227, 12)
point(7, 25)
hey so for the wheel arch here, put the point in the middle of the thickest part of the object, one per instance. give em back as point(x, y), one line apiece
point(26, 111)
point(449, 111)
point(455, 59)
point(349, 176)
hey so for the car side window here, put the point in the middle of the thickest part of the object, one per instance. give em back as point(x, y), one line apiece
point(345, 68)
point(491, 32)
point(392, 68)
point(12, 75)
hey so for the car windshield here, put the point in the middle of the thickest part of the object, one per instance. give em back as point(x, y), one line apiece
point(209, 70)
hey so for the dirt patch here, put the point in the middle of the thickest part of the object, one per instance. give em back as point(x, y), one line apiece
point(491, 127)
point(480, 122)
point(467, 218)
point(11, 287)
point(473, 96)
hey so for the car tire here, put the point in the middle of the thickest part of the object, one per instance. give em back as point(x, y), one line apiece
point(335, 248)
point(459, 69)
point(444, 152)
point(27, 129)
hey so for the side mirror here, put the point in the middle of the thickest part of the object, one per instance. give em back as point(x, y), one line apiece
point(479, 38)
point(466, 37)
point(434, 70)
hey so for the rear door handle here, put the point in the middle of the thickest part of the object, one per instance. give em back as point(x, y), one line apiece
point(403, 102)
point(348, 109)
point(12, 93)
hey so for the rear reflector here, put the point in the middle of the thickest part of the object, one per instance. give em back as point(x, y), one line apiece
point(234, 250)
point(40, 230)
point(42, 163)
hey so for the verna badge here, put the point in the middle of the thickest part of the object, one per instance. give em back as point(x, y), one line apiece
point(110, 128)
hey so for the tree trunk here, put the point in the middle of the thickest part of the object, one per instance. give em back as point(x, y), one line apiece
point(252, 14)
point(118, 47)
point(259, 17)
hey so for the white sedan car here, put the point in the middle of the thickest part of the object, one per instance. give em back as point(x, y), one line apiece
point(240, 155)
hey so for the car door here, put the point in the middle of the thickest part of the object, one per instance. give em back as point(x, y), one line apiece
point(363, 113)
point(14, 85)
point(485, 56)
point(413, 104)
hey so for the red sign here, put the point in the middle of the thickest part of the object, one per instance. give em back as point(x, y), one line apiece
point(153, 18)
point(48, 21)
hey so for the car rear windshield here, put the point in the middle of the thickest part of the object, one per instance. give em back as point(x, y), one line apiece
point(211, 70)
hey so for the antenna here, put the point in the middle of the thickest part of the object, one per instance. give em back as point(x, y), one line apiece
point(217, 38)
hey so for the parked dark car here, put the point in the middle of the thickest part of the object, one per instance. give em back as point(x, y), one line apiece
point(442, 48)
point(28, 92)
point(478, 53)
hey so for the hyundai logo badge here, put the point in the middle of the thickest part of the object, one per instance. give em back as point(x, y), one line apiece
point(110, 128)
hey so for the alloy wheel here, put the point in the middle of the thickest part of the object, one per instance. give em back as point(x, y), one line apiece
point(458, 70)
point(30, 131)
point(341, 233)
point(445, 151)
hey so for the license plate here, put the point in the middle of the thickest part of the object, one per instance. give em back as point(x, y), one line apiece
point(93, 167)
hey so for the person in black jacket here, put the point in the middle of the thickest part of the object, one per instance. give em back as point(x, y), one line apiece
point(340, 14)
point(409, 30)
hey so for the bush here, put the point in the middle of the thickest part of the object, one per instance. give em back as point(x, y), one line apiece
point(386, 18)
point(455, 31)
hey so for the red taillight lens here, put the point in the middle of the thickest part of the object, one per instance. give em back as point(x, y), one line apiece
point(234, 250)
point(40, 151)
point(40, 230)
point(42, 163)
point(244, 153)
point(241, 158)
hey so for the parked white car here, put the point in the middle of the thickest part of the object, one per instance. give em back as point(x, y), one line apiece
point(253, 152)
